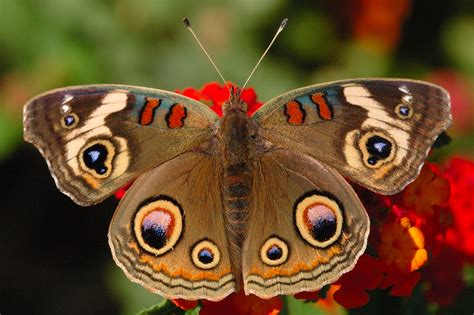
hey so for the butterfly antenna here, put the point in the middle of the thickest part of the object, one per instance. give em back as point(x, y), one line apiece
point(188, 26)
point(282, 26)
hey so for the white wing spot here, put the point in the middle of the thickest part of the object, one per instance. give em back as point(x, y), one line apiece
point(404, 89)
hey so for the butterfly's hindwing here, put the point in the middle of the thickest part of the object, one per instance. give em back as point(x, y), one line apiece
point(306, 226)
point(168, 232)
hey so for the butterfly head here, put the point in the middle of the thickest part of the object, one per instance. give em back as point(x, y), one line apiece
point(235, 102)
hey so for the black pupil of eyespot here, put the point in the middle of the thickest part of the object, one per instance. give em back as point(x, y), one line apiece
point(154, 235)
point(69, 120)
point(378, 148)
point(324, 228)
point(404, 110)
point(274, 252)
point(205, 256)
point(94, 158)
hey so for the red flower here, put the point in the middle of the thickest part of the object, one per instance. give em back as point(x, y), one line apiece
point(367, 275)
point(235, 304)
point(427, 191)
point(324, 301)
point(403, 245)
point(307, 295)
point(121, 192)
point(241, 304)
point(425, 203)
point(402, 283)
point(218, 94)
point(185, 304)
point(460, 235)
point(444, 277)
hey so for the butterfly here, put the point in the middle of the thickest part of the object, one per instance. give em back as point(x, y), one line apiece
point(220, 204)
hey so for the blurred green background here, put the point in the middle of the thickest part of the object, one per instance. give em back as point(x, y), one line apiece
point(55, 257)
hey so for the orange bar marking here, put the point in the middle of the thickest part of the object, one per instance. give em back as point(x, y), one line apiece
point(176, 115)
point(148, 112)
point(324, 109)
point(295, 112)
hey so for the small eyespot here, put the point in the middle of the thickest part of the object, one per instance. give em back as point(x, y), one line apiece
point(158, 225)
point(274, 251)
point(205, 255)
point(96, 158)
point(319, 219)
point(69, 121)
point(404, 111)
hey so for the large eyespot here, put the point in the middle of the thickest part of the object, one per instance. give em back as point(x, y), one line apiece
point(70, 121)
point(205, 254)
point(319, 219)
point(158, 225)
point(96, 158)
point(274, 251)
point(377, 149)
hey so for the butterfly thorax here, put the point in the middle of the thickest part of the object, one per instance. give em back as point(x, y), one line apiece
point(236, 149)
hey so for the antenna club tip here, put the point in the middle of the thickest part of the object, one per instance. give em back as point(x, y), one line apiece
point(186, 22)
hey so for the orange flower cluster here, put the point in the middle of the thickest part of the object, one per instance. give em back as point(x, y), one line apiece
point(414, 235)
point(426, 228)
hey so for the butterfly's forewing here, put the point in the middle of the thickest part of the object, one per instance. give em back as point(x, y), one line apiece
point(377, 132)
point(306, 226)
point(97, 138)
point(168, 232)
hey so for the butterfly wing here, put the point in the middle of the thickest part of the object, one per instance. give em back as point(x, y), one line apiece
point(168, 232)
point(377, 132)
point(97, 138)
point(307, 226)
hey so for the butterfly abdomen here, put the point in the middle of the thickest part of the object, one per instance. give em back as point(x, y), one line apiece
point(237, 175)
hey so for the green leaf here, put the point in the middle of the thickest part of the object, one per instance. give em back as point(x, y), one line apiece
point(165, 308)
point(131, 296)
point(300, 307)
point(168, 308)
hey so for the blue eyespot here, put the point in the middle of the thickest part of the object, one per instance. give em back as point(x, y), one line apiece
point(319, 219)
point(378, 148)
point(274, 252)
point(154, 235)
point(205, 256)
point(324, 226)
point(69, 120)
point(94, 158)
point(404, 110)
point(158, 224)
point(156, 227)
